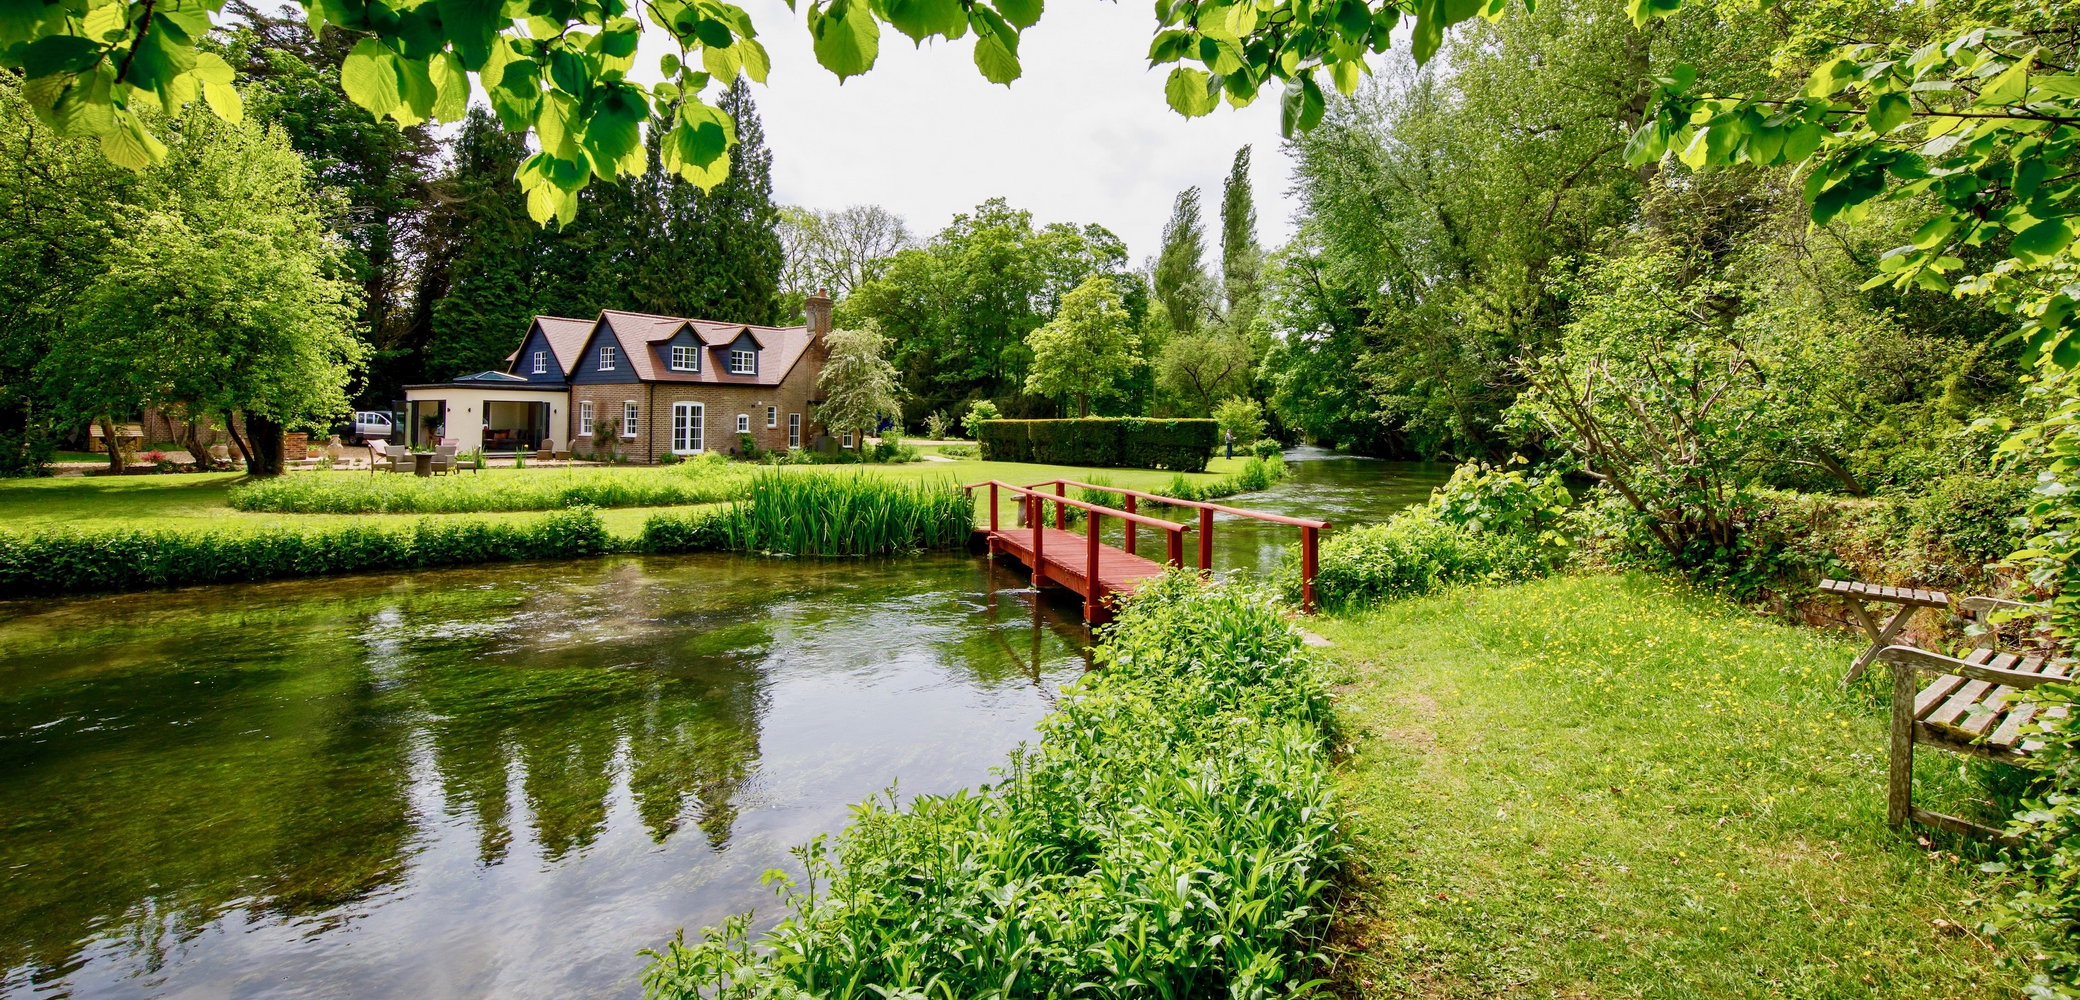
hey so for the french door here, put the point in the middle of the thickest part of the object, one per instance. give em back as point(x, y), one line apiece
point(686, 428)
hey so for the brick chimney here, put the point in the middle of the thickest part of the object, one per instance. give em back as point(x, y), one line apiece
point(818, 309)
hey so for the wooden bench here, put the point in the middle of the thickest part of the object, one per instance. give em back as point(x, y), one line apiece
point(1853, 593)
point(1966, 709)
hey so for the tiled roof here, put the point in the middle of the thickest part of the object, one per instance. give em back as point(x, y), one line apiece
point(779, 347)
point(567, 338)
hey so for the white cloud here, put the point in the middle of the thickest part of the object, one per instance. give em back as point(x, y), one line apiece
point(1083, 137)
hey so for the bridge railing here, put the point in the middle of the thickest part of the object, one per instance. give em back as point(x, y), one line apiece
point(1310, 529)
point(1030, 508)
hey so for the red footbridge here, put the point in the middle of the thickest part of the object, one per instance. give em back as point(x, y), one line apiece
point(1094, 570)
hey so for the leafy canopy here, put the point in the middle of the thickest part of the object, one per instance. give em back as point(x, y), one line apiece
point(560, 67)
point(1087, 349)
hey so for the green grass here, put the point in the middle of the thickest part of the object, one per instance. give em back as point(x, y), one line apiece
point(1610, 787)
point(201, 501)
point(711, 480)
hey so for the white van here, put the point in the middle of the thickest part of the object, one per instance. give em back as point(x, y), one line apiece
point(372, 425)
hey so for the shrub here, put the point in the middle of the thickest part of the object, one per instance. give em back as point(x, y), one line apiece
point(1172, 833)
point(936, 425)
point(1255, 474)
point(701, 481)
point(979, 411)
point(1242, 417)
point(1485, 524)
point(958, 451)
point(1134, 442)
point(1267, 448)
point(130, 559)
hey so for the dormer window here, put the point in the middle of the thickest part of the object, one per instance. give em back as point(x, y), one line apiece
point(606, 359)
point(684, 359)
point(742, 362)
point(541, 362)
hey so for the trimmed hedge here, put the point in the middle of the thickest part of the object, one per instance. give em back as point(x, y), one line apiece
point(1130, 442)
point(132, 559)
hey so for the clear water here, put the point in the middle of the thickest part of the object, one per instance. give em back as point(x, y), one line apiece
point(500, 781)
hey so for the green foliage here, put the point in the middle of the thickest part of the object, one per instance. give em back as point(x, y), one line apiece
point(1182, 286)
point(979, 411)
point(1242, 417)
point(858, 383)
point(1257, 473)
point(699, 481)
point(958, 308)
point(74, 560)
point(1172, 832)
point(936, 425)
point(822, 514)
point(1087, 350)
point(1485, 524)
point(1267, 448)
point(1132, 442)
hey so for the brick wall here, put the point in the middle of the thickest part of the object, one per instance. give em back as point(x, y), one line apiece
point(720, 403)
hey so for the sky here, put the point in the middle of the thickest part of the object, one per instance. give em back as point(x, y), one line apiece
point(1084, 136)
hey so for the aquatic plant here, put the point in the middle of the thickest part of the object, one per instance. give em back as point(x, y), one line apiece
point(821, 514)
point(1255, 474)
point(132, 559)
point(698, 481)
point(1173, 833)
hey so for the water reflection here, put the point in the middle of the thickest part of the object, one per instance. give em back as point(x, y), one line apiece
point(474, 782)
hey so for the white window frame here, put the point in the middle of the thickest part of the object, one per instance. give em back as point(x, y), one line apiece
point(794, 430)
point(629, 415)
point(846, 442)
point(541, 362)
point(584, 418)
point(606, 357)
point(772, 417)
point(687, 419)
point(692, 362)
point(743, 362)
point(743, 423)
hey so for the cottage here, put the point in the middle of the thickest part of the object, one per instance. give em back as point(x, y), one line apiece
point(642, 386)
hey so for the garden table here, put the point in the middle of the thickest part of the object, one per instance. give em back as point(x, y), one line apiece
point(1854, 593)
point(422, 463)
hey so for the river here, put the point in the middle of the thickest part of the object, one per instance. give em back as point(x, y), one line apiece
point(501, 780)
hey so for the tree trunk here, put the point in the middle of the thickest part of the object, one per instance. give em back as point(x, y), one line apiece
point(1083, 406)
point(231, 427)
point(115, 449)
point(264, 458)
point(191, 438)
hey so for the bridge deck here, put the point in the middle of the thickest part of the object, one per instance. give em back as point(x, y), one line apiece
point(1067, 554)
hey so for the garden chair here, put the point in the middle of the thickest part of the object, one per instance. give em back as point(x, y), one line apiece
point(546, 453)
point(1854, 593)
point(444, 459)
point(378, 453)
point(1977, 705)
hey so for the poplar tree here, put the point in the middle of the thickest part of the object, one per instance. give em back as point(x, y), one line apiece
point(1180, 272)
point(1241, 256)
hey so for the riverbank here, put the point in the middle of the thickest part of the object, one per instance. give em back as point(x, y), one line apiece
point(1611, 786)
point(201, 501)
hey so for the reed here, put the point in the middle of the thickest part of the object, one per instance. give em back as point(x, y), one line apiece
point(822, 514)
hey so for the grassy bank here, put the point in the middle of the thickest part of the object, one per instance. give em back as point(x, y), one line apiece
point(1605, 786)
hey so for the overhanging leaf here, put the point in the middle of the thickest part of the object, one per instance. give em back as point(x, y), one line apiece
point(1185, 90)
point(369, 79)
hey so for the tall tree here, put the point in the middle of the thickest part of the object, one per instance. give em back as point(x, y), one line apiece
point(958, 308)
point(1181, 284)
point(380, 167)
point(1087, 351)
point(1241, 256)
point(478, 319)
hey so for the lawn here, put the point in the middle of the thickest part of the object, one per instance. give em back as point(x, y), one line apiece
point(194, 502)
point(1611, 787)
